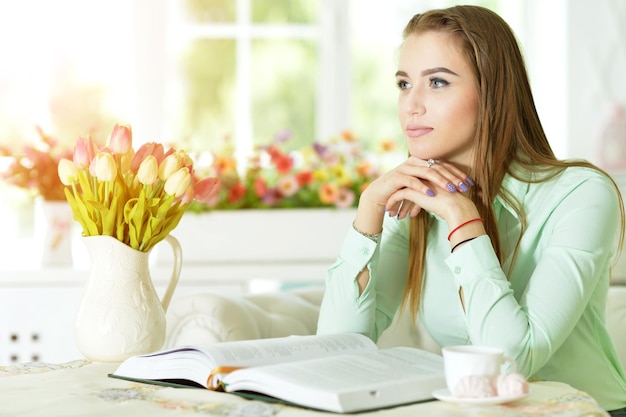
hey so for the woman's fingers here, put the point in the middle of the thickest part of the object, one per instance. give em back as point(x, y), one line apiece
point(393, 208)
point(442, 174)
point(405, 202)
point(405, 209)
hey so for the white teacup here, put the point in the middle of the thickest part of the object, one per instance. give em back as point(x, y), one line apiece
point(465, 360)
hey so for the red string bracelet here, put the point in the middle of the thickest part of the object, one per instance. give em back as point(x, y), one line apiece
point(477, 219)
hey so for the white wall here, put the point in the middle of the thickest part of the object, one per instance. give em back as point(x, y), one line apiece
point(543, 36)
point(596, 45)
point(576, 55)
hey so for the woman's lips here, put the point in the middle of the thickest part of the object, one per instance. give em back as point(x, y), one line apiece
point(415, 131)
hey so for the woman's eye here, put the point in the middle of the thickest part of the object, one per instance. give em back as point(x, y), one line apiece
point(438, 82)
point(402, 84)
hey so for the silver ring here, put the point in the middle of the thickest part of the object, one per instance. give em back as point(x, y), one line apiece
point(430, 163)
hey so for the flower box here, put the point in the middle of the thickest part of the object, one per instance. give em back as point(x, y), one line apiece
point(295, 245)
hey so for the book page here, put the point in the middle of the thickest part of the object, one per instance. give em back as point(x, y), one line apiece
point(286, 349)
point(347, 383)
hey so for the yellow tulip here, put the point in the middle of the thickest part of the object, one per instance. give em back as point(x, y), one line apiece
point(185, 159)
point(148, 171)
point(106, 168)
point(68, 173)
point(171, 164)
point(125, 160)
point(178, 183)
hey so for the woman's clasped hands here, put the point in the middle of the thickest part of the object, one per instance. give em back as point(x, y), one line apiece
point(436, 186)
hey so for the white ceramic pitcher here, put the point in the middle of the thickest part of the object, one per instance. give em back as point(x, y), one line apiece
point(120, 314)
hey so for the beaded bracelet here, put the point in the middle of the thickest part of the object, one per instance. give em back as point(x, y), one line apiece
point(460, 243)
point(375, 237)
point(477, 219)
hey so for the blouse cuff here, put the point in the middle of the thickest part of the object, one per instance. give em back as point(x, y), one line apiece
point(471, 260)
point(357, 249)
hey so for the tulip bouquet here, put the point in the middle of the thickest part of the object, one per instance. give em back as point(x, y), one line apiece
point(135, 197)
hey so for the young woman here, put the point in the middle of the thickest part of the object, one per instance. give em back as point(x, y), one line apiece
point(482, 232)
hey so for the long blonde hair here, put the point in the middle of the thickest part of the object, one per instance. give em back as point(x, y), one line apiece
point(508, 127)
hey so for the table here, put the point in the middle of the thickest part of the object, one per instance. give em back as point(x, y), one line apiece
point(81, 388)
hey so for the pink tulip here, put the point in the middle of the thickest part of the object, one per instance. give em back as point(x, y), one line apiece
point(121, 139)
point(84, 152)
point(178, 183)
point(205, 190)
point(150, 148)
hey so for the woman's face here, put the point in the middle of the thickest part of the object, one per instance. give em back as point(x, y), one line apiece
point(438, 99)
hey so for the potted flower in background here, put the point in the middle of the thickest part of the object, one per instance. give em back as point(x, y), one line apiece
point(126, 202)
point(330, 174)
point(34, 169)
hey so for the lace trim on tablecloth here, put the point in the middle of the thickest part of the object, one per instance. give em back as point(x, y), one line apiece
point(576, 404)
point(150, 393)
point(40, 367)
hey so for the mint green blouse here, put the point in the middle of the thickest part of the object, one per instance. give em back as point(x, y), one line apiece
point(549, 314)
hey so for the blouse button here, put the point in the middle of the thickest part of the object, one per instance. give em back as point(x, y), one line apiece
point(457, 270)
point(365, 251)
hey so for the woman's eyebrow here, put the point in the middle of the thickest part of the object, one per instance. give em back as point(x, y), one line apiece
point(429, 72)
point(438, 69)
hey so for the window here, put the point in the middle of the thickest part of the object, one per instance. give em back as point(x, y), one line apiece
point(245, 69)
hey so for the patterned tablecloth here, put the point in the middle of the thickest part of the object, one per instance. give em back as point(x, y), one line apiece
point(81, 388)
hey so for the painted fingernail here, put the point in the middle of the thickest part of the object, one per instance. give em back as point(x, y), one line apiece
point(430, 192)
point(469, 181)
point(451, 187)
point(463, 187)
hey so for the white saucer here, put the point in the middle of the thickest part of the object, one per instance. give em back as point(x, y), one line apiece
point(444, 395)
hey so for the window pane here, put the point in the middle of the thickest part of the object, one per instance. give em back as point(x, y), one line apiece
point(203, 108)
point(283, 90)
point(374, 95)
point(213, 11)
point(284, 11)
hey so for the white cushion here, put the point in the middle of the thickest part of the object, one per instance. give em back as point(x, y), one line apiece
point(208, 318)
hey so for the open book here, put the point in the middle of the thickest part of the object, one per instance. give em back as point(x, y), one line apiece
point(340, 373)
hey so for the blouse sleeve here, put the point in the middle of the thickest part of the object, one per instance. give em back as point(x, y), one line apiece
point(371, 312)
point(574, 237)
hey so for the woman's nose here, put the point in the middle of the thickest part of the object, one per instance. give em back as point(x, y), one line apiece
point(415, 103)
